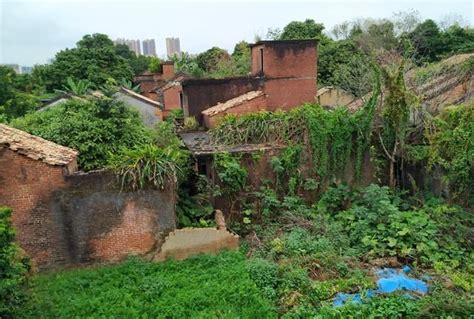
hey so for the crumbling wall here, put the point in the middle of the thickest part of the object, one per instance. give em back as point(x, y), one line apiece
point(186, 242)
point(82, 218)
point(104, 223)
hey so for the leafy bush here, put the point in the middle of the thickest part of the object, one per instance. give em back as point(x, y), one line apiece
point(13, 268)
point(148, 165)
point(378, 225)
point(265, 275)
point(194, 207)
point(96, 128)
point(199, 287)
point(392, 307)
point(452, 147)
point(232, 175)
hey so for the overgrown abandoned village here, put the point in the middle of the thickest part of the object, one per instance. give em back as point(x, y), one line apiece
point(64, 216)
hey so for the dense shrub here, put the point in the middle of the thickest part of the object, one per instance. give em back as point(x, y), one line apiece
point(265, 275)
point(381, 224)
point(13, 268)
point(95, 127)
point(452, 147)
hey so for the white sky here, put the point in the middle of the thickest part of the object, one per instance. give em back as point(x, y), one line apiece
point(32, 31)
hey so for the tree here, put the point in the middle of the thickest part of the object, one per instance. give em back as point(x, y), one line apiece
point(155, 65)
point(307, 29)
point(139, 63)
point(397, 105)
point(13, 101)
point(427, 42)
point(78, 88)
point(187, 63)
point(340, 63)
point(96, 127)
point(94, 59)
point(405, 22)
point(371, 36)
point(458, 40)
point(13, 268)
point(209, 60)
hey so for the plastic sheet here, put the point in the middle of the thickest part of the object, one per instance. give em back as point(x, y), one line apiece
point(389, 280)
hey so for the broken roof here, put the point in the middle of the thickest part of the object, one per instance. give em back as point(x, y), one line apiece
point(35, 147)
point(140, 97)
point(199, 144)
point(174, 81)
point(221, 107)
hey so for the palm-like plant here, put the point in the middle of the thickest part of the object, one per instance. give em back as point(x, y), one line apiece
point(79, 88)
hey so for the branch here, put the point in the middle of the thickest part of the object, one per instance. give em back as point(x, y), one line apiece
point(384, 149)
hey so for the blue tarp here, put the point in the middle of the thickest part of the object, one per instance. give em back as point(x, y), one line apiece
point(389, 280)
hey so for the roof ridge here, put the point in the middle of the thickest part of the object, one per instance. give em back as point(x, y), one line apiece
point(220, 107)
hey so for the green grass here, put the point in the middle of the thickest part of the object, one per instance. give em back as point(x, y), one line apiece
point(200, 287)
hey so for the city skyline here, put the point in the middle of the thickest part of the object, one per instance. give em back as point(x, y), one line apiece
point(31, 32)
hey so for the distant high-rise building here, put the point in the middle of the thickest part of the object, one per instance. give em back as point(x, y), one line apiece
point(172, 47)
point(26, 69)
point(133, 45)
point(149, 47)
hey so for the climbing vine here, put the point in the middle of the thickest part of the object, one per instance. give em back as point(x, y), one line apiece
point(452, 147)
point(333, 136)
point(232, 175)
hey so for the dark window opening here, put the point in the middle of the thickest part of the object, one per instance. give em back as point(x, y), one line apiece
point(202, 167)
point(261, 61)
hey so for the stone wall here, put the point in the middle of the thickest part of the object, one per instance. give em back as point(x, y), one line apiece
point(81, 218)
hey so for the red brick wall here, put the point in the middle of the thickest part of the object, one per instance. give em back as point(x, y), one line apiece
point(168, 70)
point(283, 59)
point(256, 66)
point(285, 94)
point(171, 98)
point(289, 70)
point(80, 218)
point(255, 105)
point(28, 186)
point(202, 94)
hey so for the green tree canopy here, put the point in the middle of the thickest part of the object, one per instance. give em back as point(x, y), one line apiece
point(427, 41)
point(94, 59)
point(15, 97)
point(307, 29)
point(208, 60)
point(95, 127)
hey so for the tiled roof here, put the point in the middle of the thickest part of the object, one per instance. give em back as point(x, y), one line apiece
point(221, 107)
point(199, 144)
point(35, 147)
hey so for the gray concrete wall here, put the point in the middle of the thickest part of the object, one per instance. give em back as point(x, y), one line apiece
point(147, 111)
